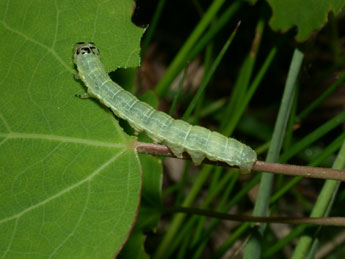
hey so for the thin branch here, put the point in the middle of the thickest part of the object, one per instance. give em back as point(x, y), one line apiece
point(326, 221)
point(259, 166)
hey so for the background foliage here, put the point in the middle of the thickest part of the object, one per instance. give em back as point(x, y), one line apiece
point(71, 180)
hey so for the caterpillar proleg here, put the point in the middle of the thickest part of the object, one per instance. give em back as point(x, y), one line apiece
point(178, 135)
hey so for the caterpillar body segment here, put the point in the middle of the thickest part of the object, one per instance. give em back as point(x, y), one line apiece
point(178, 135)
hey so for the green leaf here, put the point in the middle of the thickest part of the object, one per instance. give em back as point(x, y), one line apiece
point(308, 16)
point(149, 212)
point(70, 179)
point(151, 98)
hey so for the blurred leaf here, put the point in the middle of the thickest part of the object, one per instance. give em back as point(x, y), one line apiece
point(151, 98)
point(70, 180)
point(308, 16)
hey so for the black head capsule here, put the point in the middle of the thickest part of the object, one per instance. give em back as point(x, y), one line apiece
point(85, 48)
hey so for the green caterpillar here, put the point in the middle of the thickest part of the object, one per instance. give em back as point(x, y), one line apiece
point(178, 135)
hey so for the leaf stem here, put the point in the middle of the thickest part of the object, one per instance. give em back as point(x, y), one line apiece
point(259, 166)
point(327, 221)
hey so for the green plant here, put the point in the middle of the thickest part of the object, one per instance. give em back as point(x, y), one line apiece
point(71, 181)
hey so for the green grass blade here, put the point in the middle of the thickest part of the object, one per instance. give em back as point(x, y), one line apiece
point(253, 247)
point(179, 218)
point(298, 230)
point(252, 89)
point(208, 76)
point(245, 74)
point(179, 91)
point(153, 26)
point(280, 244)
point(224, 208)
point(222, 21)
point(322, 206)
point(231, 240)
point(335, 145)
point(313, 136)
point(291, 123)
point(321, 98)
point(208, 60)
point(180, 60)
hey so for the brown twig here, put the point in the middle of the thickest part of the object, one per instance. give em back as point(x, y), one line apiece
point(326, 221)
point(259, 166)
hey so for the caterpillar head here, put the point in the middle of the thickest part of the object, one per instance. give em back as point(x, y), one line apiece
point(82, 49)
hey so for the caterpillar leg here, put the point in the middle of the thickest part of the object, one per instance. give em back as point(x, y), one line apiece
point(176, 149)
point(83, 96)
point(197, 157)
